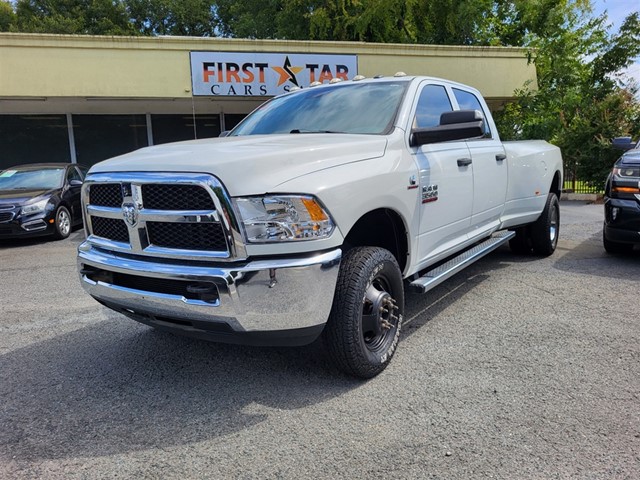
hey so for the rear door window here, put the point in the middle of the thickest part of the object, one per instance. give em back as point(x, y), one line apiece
point(468, 101)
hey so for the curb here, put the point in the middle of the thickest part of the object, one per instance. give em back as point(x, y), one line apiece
point(583, 197)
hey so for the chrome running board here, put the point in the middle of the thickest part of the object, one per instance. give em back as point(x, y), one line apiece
point(435, 277)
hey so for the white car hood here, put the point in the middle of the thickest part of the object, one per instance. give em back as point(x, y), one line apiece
point(251, 165)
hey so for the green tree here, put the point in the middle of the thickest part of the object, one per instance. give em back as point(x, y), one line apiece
point(249, 19)
point(7, 16)
point(173, 17)
point(92, 17)
point(581, 101)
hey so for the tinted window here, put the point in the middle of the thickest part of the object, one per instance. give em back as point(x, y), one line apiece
point(99, 137)
point(83, 170)
point(175, 128)
point(368, 108)
point(33, 139)
point(232, 119)
point(432, 103)
point(468, 101)
point(73, 174)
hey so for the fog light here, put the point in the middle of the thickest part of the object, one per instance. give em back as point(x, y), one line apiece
point(614, 213)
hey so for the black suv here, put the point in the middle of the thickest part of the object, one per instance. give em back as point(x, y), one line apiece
point(622, 202)
point(40, 199)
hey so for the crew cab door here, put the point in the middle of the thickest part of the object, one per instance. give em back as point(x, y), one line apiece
point(489, 168)
point(445, 183)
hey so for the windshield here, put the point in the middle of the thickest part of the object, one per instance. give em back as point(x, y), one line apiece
point(350, 108)
point(45, 179)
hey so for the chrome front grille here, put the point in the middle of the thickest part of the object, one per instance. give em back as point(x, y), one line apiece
point(161, 215)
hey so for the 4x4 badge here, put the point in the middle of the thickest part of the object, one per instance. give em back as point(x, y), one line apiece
point(130, 214)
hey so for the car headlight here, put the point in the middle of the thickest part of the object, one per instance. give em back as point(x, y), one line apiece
point(36, 207)
point(283, 218)
point(627, 171)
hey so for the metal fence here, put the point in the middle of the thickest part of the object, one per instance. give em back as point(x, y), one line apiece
point(572, 184)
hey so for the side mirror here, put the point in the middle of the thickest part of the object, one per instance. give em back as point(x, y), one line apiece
point(75, 183)
point(458, 125)
point(623, 143)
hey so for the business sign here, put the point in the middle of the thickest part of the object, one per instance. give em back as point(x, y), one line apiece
point(241, 74)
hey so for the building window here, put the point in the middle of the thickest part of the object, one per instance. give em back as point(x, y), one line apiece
point(232, 119)
point(98, 137)
point(174, 128)
point(33, 139)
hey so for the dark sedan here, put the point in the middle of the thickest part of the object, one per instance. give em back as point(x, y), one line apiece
point(40, 199)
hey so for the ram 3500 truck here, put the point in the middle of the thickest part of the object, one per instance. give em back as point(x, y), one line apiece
point(313, 215)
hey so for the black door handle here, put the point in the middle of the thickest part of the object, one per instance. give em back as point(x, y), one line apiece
point(500, 157)
point(464, 162)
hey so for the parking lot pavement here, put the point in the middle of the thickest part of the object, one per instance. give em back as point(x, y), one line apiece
point(515, 368)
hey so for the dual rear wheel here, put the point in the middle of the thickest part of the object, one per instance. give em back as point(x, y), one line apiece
point(541, 236)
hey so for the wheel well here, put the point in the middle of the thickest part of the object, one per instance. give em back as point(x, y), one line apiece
point(381, 228)
point(555, 185)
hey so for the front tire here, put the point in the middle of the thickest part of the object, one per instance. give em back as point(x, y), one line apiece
point(364, 326)
point(62, 223)
point(545, 230)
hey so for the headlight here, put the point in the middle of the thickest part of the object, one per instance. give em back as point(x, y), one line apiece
point(35, 207)
point(627, 171)
point(283, 218)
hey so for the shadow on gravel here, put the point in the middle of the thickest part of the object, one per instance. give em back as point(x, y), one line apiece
point(119, 387)
point(590, 258)
point(77, 236)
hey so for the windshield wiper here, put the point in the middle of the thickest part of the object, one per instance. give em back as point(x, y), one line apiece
point(297, 130)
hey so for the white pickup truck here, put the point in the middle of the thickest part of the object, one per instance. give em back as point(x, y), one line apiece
point(314, 214)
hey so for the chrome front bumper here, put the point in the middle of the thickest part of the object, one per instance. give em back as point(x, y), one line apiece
point(280, 301)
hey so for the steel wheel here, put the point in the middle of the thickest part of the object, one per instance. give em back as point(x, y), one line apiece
point(379, 314)
point(62, 223)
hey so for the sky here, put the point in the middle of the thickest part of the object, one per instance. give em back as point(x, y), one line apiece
point(617, 10)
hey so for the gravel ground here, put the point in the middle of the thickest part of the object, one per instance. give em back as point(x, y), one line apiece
point(515, 368)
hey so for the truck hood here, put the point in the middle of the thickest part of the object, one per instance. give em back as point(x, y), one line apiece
point(251, 165)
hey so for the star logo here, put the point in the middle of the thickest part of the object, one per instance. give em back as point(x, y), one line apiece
point(288, 73)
